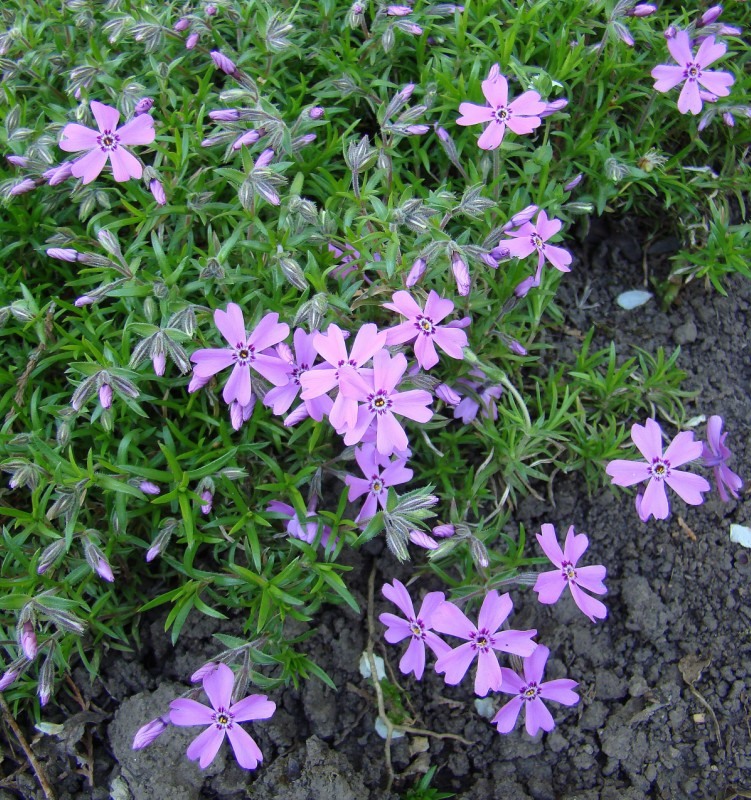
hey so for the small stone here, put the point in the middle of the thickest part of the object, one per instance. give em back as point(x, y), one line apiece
point(686, 333)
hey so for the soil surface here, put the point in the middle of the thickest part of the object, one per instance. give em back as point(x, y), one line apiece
point(664, 680)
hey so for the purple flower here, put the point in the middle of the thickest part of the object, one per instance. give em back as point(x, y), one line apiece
point(147, 487)
point(715, 454)
point(376, 482)
point(483, 640)
point(381, 402)
point(107, 144)
point(660, 469)
point(208, 501)
point(29, 641)
point(223, 719)
point(422, 326)
point(550, 584)
point(244, 352)
point(531, 237)
point(150, 732)
point(144, 105)
point(280, 398)
point(331, 346)
point(105, 395)
point(8, 678)
point(191, 41)
point(156, 187)
point(417, 626)
point(305, 531)
point(470, 397)
point(530, 693)
point(691, 69)
point(520, 115)
point(415, 274)
point(460, 268)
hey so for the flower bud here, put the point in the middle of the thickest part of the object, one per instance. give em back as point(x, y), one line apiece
point(63, 254)
point(29, 640)
point(461, 274)
point(422, 539)
point(711, 15)
point(444, 392)
point(528, 283)
point(210, 10)
point(17, 161)
point(144, 105)
point(670, 32)
point(223, 63)
point(157, 190)
point(415, 274)
point(8, 678)
point(266, 157)
point(147, 487)
point(159, 362)
point(26, 185)
point(478, 552)
point(46, 679)
point(208, 501)
point(191, 41)
point(249, 137)
point(519, 219)
point(105, 395)
point(316, 112)
point(202, 672)
point(642, 10)
point(150, 732)
point(444, 531)
point(49, 555)
point(181, 25)
point(572, 184)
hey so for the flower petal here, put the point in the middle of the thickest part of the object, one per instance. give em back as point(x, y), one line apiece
point(627, 473)
point(455, 663)
point(425, 351)
point(414, 405)
point(494, 610)
point(209, 361)
point(256, 706)
point(537, 716)
point(709, 51)
point(549, 586)
point(655, 501)
point(591, 578)
point(718, 83)
point(89, 166)
point(561, 691)
point(76, 137)
point(689, 98)
point(688, 486)
point(473, 114)
point(106, 117)
point(507, 715)
point(517, 642)
point(488, 676)
point(218, 686)
point(448, 618)
point(534, 665)
point(413, 659)
point(390, 435)
point(398, 628)
point(576, 544)
point(139, 130)
point(667, 77)
point(206, 745)
point(559, 257)
point(589, 606)
point(238, 387)
point(492, 136)
point(398, 594)
point(124, 165)
point(648, 439)
point(683, 449)
point(247, 752)
point(268, 332)
point(496, 91)
point(190, 712)
point(549, 544)
point(680, 48)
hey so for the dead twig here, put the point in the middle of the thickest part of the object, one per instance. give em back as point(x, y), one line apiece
point(35, 765)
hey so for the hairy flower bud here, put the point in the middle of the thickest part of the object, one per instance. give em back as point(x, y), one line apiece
point(223, 63)
point(416, 272)
point(208, 502)
point(461, 273)
point(144, 105)
point(50, 554)
point(46, 679)
point(711, 15)
point(191, 41)
point(157, 190)
point(8, 678)
point(28, 640)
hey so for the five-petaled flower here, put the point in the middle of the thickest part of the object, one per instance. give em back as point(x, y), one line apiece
point(692, 70)
point(244, 352)
point(660, 469)
point(520, 115)
point(376, 481)
point(483, 640)
point(107, 143)
point(530, 692)
point(417, 626)
point(715, 453)
point(222, 720)
point(422, 325)
point(550, 584)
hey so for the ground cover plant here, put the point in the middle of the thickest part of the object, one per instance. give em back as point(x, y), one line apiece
point(279, 281)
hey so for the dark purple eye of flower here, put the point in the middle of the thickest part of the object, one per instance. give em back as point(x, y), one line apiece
point(482, 640)
point(243, 354)
point(501, 114)
point(692, 72)
point(660, 469)
point(425, 324)
point(568, 571)
point(376, 486)
point(222, 718)
point(537, 241)
point(108, 140)
point(418, 628)
point(531, 692)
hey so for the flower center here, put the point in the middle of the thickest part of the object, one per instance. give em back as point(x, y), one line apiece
point(425, 325)
point(108, 140)
point(417, 626)
point(567, 571)
point(377, 485)
point(501, 114)
point(379, 403)
point(530, 691)
point(345, 363)
point(692, 72)
point(297, 371)
point(481, 640)
point(223, 718)
point(537, 241)
point(659, 469)
point(244, 353)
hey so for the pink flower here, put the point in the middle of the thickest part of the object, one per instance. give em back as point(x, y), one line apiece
point(422, 325)
point(107, 144)
point(332, 348)
point(150, 732)
point(377, 480)
point(550, 584)
point(417, 626)
point(530, 692)
point(521, 115)
point(660, 469)
point(691, 70)
point(469, 397)
point(715, 454)
point(381, 402)
point(482, 641)
point(222, 720)
point(531, 237)
point(244, 352)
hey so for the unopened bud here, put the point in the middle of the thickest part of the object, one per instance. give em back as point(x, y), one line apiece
point(249, 137)
point(461, 274)
point(316, 112)
point(49, 555)
point(150, 732)
point(29, 641)
point(519, 219)
point(422, 539)
point(711, 15)
point(144, 105)
point(572, 184)
point(157, 190)
point(444, 392)
point(415, 274)
point(223, 63)
point(63, 254)
point(642, 10)
point(105, 395)
point(181, 25)
point(479, 552)
point(8, 678)
point(147, 487)
point(208, 502)
point(191, 41)
point(444, 531)
point(46, 679)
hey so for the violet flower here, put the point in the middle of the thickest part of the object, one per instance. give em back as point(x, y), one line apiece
point(377, 480)
point(660, 469)
point(550, 585)
point(531, 237)
point(422, 326)
point(520, 115)
point(483, 640)
point(107, 144)
point(306, 531)
point(691, 69)
point(715, 453)
point(530, 693)
point(150, 732)
point(222, 720)
point(381, 402)
point(244, 352)
point(331, 346)
point(417, 626)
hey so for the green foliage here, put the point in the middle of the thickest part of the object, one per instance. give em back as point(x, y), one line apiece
point(155, 274)
point(423, 791)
